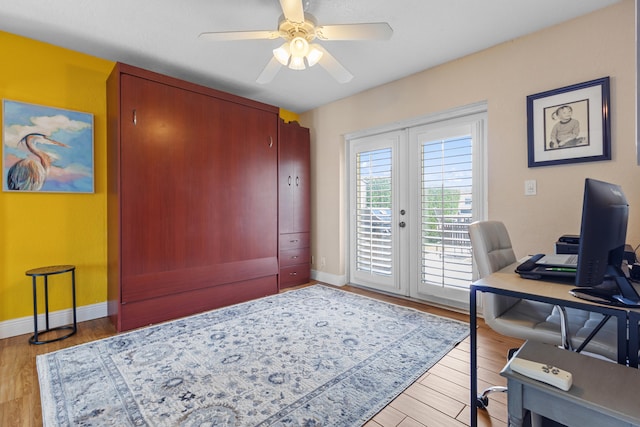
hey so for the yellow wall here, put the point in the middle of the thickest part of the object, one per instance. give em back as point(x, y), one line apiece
point(289, 116)
point(39, 229)
point(48, 229)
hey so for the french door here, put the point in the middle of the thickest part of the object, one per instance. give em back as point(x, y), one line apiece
point(412, 194)
point(376, 214)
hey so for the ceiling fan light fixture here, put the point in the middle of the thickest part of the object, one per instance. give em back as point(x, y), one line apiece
point(297, 63)
point(314, 55)
point(299, 46)
point(282, 54)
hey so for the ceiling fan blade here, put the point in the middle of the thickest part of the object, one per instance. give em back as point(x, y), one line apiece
point(240, 35)
point(293, 10)
point(269, 71)
point(369, 31)
point(333, 67)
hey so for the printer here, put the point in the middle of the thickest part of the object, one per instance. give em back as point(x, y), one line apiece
point(569, 244)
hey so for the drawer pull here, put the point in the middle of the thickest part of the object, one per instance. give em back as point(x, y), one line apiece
point(294, 257)
point(293, 274)
point(294, 241)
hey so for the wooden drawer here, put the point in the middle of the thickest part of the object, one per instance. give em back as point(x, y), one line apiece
point(294, 275)
point(294, 240)
point(294, 256)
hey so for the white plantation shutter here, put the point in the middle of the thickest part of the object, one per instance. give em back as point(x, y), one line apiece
point(413, 189)
point(446, 211)
point(373, 212)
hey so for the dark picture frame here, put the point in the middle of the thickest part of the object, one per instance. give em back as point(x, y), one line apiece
point(570, 124)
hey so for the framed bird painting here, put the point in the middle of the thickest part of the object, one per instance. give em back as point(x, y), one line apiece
point(46, 149)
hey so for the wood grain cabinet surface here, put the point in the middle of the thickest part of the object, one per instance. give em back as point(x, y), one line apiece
point(294, 218)
point(192, 198)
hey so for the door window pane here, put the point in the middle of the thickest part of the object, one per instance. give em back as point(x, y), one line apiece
point(446, 212)
point(373, 212)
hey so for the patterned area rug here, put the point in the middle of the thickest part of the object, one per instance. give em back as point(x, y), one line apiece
point(316, 356)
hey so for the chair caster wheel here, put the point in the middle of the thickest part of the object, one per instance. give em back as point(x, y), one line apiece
point(482, 402)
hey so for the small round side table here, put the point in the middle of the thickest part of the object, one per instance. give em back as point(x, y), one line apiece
point(46, 272)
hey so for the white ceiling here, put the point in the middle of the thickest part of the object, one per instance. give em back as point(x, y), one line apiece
point(162, 35)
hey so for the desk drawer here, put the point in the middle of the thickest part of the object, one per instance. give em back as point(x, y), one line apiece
point(294, 256)
point(294, 275)
point(294, 240)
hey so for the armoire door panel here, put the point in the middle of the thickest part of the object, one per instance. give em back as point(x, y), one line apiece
point(203, 188)
point(302, 199)
point(192, 198)
point(294, 183)
point(286, 180)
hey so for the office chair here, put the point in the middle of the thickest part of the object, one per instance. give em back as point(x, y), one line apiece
point(531, 320)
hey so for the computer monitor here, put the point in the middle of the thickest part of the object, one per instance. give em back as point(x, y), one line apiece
point(603, 232)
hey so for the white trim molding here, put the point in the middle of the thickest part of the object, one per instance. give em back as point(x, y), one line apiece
point(24, 325)
point(330, 279)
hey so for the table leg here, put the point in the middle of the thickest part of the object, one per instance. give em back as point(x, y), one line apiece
point(35, 310)
point(634, 339)
point(514, 404)
point(73, 295)
point(474, 357)
point(623, 345)
point(46, 302)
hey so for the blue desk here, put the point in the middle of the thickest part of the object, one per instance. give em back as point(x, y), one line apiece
point(602, 394)
point(507, 282)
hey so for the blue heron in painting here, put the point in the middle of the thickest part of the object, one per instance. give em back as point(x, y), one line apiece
point(29, 174)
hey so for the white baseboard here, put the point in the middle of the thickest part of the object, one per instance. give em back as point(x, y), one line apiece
point(24, 325)
point(331, 279)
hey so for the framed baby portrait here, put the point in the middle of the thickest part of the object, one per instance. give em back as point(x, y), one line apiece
point(570, 124)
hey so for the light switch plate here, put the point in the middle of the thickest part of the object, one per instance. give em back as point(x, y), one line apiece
point(530, 187)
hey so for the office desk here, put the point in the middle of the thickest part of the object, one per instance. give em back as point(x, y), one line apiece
point(603, 393)
point(507, 282)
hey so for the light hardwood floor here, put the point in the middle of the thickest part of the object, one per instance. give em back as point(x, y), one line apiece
point(439, 398)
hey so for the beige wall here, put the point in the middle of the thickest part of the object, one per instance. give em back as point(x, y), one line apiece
point(597, 45)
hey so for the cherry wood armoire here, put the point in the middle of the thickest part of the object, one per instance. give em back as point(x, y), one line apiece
point(192, 198)
point(294, 204)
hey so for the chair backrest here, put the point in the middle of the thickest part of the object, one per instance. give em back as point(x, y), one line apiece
point(491, 245)
point(492, 251)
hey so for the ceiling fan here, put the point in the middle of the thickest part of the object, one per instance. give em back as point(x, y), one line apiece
point(299, 29)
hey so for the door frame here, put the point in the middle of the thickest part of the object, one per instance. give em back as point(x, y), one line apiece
point(480, 210)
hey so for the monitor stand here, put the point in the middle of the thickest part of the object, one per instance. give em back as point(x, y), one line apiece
point(616, 290)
